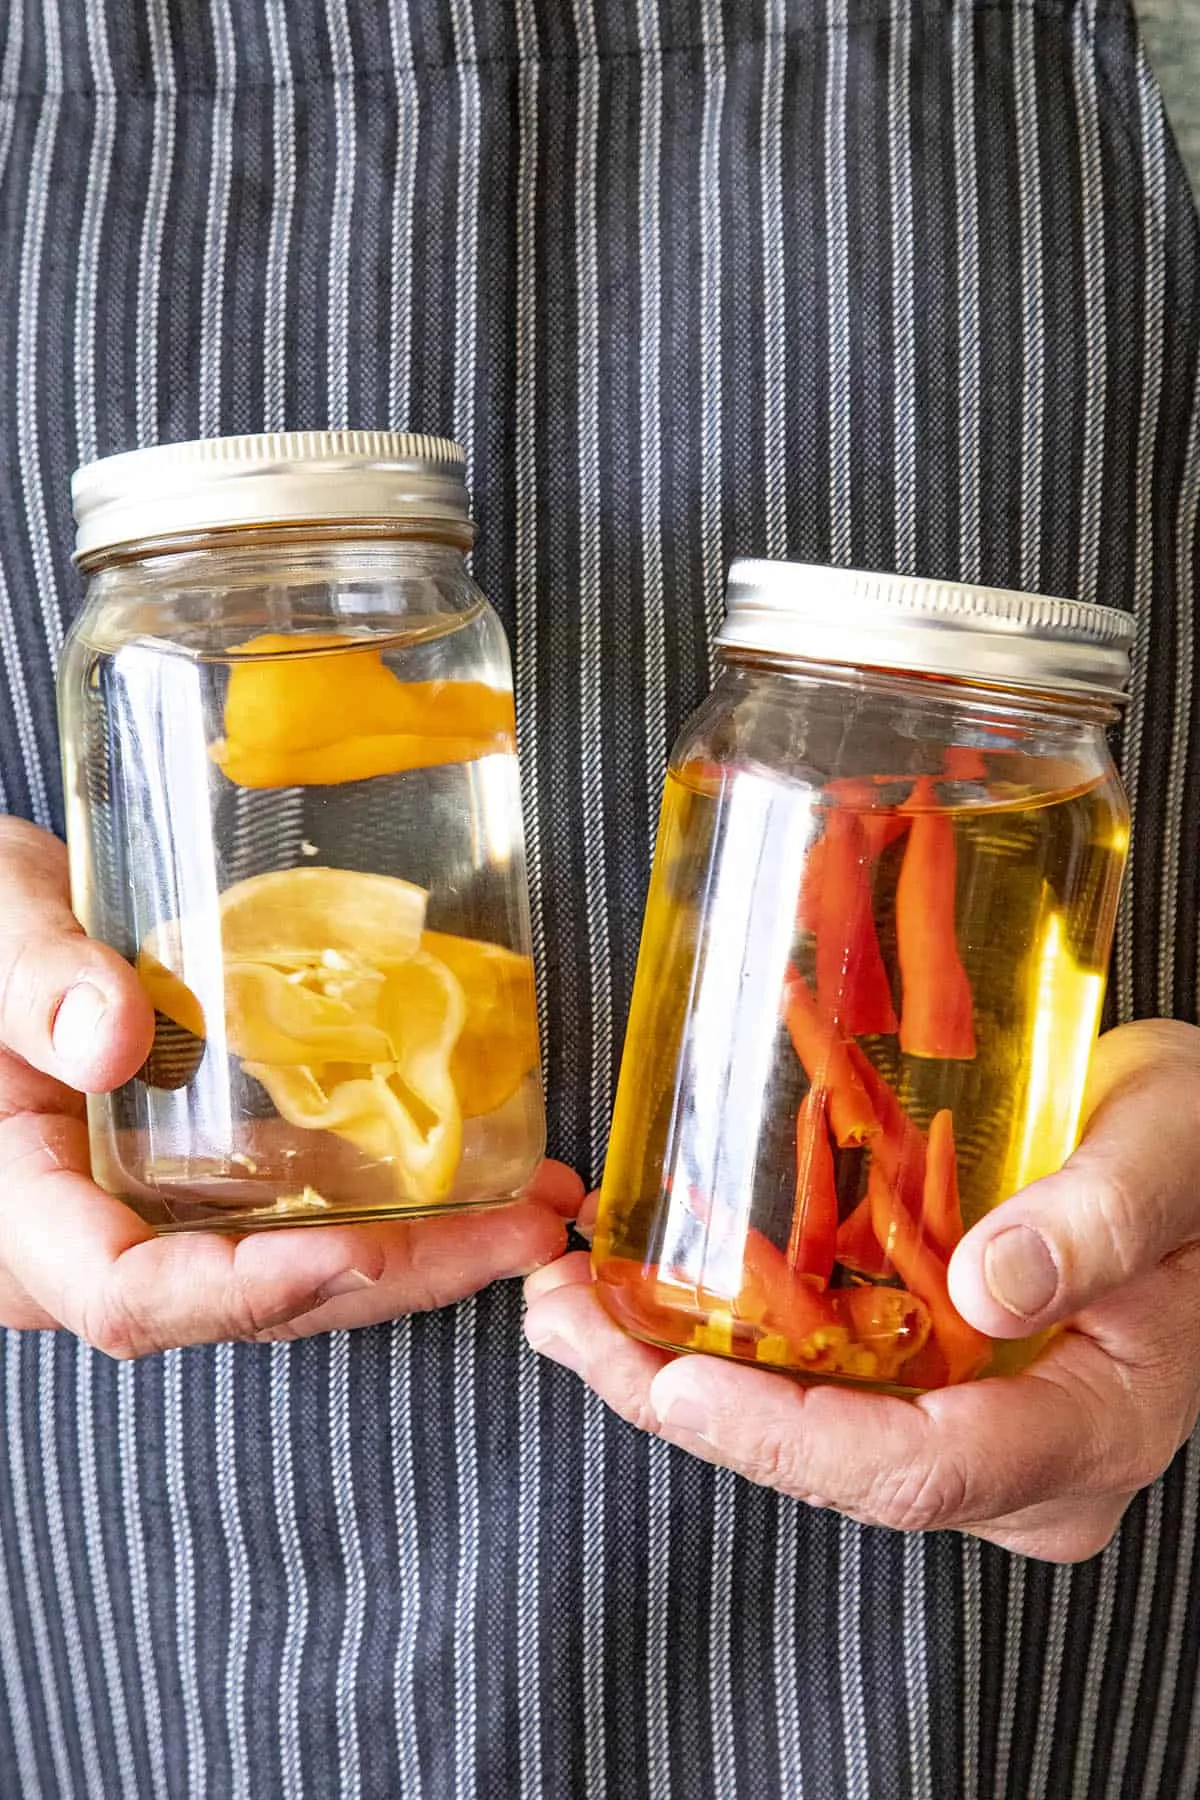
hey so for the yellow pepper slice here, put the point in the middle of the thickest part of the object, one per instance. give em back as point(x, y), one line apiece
point(403, 1110)
point(275, 1018)
point(499, 1043)
point(168, 994)
point(301, 718)
point(354, 1019)
point(297, 916)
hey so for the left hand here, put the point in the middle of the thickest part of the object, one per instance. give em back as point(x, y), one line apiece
point(1043, 1463)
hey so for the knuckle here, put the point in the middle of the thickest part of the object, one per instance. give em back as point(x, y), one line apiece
point(430, 1295)
point(1155, 1418)
point(1123, 1219)
point(773, 1462)
point(632, 1403)
point(111, 1328)
point(20, 959)
point(246, 1317)
point(290, 1332)
point(930, 1496)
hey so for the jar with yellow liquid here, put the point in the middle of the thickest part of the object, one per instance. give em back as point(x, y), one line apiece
point(872, 969)
point(293, 803)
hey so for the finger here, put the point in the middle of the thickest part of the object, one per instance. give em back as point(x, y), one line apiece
point(585, 1224)
point(1044, 1462)
point(70, 1006)
point(557, 1186)
point(569, 1325)
point(24, 1089)
point(128, 1291)
point(18, 1312)
point(567, 1271)
point(91, 1263)
point(979, 1452)
point(1128, 1196)
point(426, 1263)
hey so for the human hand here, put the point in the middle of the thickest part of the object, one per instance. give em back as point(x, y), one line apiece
point(74, 1019)
point(1043, 1463)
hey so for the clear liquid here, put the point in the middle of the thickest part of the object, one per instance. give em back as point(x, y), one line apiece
point(701, 1236)
point(181, 785)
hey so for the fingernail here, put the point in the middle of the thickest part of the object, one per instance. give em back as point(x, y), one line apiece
point(585, 1228)
point(1020, 1272)
point(683, 1414)
point(78, 1020)
point(271, 1322)
point(549, 1344)
point(351, 1281)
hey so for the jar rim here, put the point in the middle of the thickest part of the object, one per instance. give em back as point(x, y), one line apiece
point(911, 624)
point(264, 479)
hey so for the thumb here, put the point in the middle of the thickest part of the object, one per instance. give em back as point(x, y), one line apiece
point(1129, 1195)
point(69, 1006)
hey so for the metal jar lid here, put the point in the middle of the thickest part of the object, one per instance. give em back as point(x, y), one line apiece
point(273, 478)
point(994, 636)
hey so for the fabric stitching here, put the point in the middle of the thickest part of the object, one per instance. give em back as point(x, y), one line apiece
point(1053, 11)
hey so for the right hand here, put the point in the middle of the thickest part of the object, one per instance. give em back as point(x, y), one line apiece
point(74, 1020)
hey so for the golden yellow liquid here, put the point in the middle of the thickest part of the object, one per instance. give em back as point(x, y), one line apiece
point(703, 1136)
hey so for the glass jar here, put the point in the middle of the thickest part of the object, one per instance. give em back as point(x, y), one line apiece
point(293, 804)
point(871, 971)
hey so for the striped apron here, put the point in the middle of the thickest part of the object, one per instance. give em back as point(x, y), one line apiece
point(911, 284)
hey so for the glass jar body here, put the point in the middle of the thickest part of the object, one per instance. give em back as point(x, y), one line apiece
point(871, 975)
point(293, 803)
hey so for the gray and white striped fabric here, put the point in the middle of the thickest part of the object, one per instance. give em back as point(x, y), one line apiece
point(908, 283)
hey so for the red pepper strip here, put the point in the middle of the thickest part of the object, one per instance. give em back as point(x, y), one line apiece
point(900, 1150)
point(927, 1369)
point(859, 794)
point(964, 763)
point(941, 1211)
point(890, 1321)
point(852, 985)
point(936, 1019)
point(887, 1109)
point(815, 1215)
point(808, 903)
point(635, 1293)
point(900, 1159)
point(827, 1062)
point(899, 1154)
point(655, 1303)
point(923, 1272)
point(881, 829)
point(772, 1295)
point(856, 1246)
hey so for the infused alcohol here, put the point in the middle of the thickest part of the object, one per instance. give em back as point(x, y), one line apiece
point(293, 803)
point(871, 975)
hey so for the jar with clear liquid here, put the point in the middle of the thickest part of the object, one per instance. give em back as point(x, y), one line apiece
point(293, 803)
point(871, 973)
